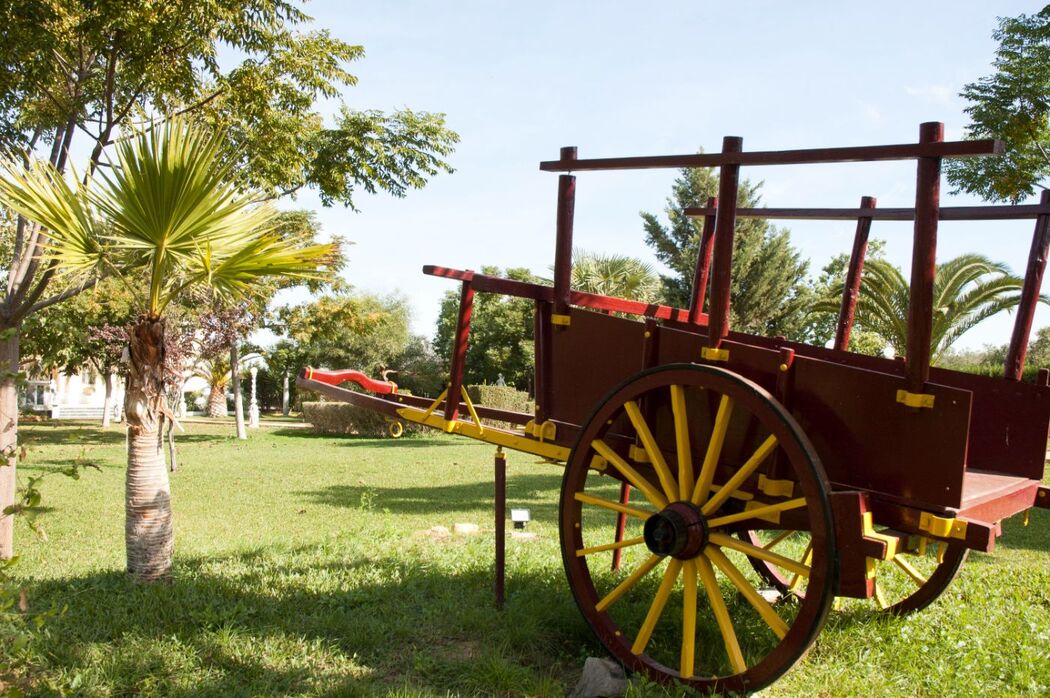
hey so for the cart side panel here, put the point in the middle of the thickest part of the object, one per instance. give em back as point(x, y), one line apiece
point(866, 439)
point(591, 356)
point(1009, 426)
point(754, 363)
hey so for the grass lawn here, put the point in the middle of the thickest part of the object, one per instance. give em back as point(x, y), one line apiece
point(303, 568)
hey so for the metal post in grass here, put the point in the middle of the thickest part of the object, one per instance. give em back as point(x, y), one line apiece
point(501, 528)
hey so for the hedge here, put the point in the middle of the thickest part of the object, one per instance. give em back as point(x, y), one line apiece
point(501, 397)
point(344, 418)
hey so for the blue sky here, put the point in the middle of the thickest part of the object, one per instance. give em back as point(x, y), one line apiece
point(519, 80)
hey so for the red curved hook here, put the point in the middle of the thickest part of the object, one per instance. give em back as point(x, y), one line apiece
point(341, 376)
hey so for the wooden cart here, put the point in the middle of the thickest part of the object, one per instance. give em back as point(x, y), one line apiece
point(769, 477)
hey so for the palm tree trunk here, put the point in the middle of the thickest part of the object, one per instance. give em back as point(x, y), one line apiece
point(107, 404)
point(148, 534)
point(235, 380)
point(217, 401)
point(8, 437)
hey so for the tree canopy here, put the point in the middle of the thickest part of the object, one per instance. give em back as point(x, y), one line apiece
point(769, 291)
point(1012, 104)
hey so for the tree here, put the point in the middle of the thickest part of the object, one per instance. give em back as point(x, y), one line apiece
point(166, 221)
point(100, 70)
point(1012, 104)
point(501, 334)
point(348, 329)
point(768, 293)
point(615, 275)
point(822, 320)
point(966, 291)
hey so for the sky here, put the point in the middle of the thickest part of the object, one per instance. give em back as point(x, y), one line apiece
point(519, 80)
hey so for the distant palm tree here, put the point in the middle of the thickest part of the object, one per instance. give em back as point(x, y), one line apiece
point(615, 275)
point(215, 370)
point(167, 221)
point(966, 291)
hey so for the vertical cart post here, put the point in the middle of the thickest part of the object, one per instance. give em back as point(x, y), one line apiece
point(459, 350)
point(725, 222)
point(1033, 281)
point(563, 242)
point(924, 260)
point(851, 289)
point(703, 262)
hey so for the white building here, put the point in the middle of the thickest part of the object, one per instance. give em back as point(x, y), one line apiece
point(78, 396)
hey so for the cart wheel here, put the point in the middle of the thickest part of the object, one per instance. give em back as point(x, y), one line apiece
point(395, 429)
point(910, 582)
point(707, 434)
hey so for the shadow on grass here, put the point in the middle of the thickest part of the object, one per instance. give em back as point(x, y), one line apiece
point(93, 435)
point(264, 624)
point(425, 440)
point(539, 492)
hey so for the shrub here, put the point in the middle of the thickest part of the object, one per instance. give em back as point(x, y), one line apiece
point(344, 418)
point(501, 397)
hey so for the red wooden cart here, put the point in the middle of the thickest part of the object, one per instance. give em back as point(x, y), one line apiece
point(769, 475)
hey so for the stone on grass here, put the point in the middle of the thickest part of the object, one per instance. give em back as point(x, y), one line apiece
point(602, 677)
point(465, 529)
point(438, 532)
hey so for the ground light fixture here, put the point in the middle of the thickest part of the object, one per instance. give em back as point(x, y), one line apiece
point(520, 517)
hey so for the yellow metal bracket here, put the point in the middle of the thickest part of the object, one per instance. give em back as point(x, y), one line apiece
point(544, 431)
point(598, 463)
point(775, 488)
point(473, 412)
point(563, 320)
point(941, 527)
point(868, 531)
point(915, 399)
point(637, 454)
point(711, 354)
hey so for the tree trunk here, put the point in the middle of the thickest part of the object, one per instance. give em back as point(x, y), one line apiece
point(217, 401)
point(107, 404)
point(8, 437)
point(235, 380)
point(285, 407)
point(148, 534)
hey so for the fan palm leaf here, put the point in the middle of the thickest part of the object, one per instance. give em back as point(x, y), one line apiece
point(967, 290)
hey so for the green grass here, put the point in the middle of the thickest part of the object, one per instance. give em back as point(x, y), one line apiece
point(303, 568)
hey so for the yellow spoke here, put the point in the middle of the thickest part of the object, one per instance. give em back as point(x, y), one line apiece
point(714, 451)
point(718, 606)
point(787, 563)
point(625, 586)
point(915, 575)
point(760, 454)
point(612, 506)
point(688, 618)
point(780, 537)
point(807, 558)
point(757, 512)
point(610, 546)
point(774, 621)
point(879, 598)
point(657, 607)
point(681, 436)
point(652, 449)
point(632, 475)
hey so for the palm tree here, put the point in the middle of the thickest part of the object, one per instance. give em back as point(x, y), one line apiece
point(615, 275)
point(166, 221)
point(966, 291)
point(216, 371)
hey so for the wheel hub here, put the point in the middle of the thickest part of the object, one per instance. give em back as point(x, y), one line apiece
point(680, 531)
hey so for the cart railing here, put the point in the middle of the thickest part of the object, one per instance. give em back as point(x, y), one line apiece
point(1013, 367)
point(928, 153)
